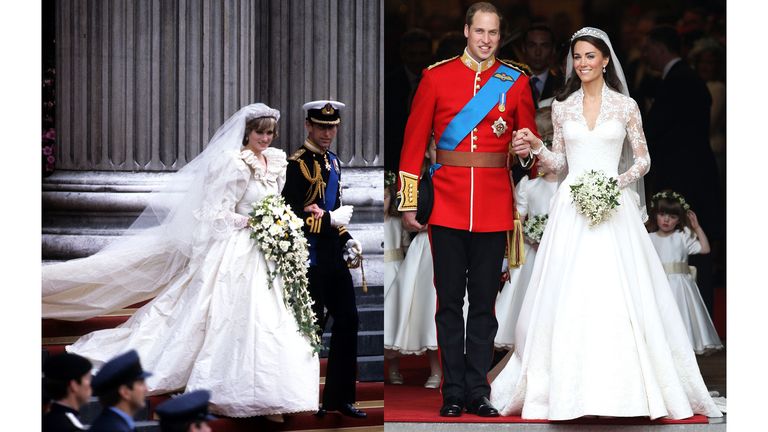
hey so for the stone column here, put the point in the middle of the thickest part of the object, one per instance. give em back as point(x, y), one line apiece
point(142, 85)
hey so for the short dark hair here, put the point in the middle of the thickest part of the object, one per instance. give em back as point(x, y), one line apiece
point(259, 124)
point(539, 27)
point(57, 388)
point(111, 396)
point(667, 36)
point(166, 426)
point(481, 7)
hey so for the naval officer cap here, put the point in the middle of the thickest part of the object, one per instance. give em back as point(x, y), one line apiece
point(325, 112)
point(65, 367)
point(189, 407)
point(123, 369)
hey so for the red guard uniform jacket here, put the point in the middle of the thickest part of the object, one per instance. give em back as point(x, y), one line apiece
point(466, 198)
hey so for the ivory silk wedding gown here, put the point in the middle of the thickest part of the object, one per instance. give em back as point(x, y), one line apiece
point(599, 332)
point(214, 322)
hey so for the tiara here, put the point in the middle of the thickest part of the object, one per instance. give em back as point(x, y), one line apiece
point(673, 196)
point(589, 31)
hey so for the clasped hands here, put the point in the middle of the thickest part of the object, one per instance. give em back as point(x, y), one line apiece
point(523, 141)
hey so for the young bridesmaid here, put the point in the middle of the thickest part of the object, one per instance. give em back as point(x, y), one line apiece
point(675, 233)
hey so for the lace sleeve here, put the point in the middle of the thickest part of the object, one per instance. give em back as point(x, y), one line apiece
point(636, 137)
point(555, 159)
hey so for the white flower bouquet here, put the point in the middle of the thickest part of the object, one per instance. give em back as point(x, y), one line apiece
point(595, 196)
point(534, 227)
point(277, 230)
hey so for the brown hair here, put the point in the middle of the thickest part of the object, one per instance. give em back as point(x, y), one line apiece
point(259, 124)
point(481, 7)
point(670, 206)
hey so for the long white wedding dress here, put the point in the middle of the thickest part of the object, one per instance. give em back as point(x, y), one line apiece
point(213, 323)
point(599, 332)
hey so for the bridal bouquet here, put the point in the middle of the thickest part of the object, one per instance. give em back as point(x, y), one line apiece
point(277, 230)
point(534, 227)
point(595, 196)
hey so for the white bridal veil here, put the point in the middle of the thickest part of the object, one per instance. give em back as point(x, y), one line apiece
point(176, 226)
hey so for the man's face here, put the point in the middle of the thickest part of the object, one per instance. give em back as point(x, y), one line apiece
point(653, 52)
point(199, 427)
point(136, 395)
point(483, 35)
point(538, 50)
point(416, 56)
point(82, 390)
point(322, 135)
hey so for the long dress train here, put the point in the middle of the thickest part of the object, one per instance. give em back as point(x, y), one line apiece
point(599, 332)
point(213, 323)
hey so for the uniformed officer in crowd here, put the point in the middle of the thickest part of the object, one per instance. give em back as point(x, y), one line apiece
point(121, 390)
point(67, 380)
point(313, 190)
point(186, 413)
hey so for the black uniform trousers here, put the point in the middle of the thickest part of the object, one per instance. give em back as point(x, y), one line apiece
point(470, 261)
point(330, 286)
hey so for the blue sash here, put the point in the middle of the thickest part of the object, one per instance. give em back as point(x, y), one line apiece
point(331, 189)
point(476, 109)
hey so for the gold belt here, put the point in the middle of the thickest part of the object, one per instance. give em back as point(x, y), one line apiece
point(677, 267)
point(472, 159)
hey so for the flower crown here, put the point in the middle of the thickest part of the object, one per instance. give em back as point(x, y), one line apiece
point(589, 31)
point(389, 178)
point(673, 196)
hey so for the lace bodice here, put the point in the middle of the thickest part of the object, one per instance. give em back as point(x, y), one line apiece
point(578, 148)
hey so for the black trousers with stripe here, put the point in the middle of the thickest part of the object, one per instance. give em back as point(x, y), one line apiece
point(468, 262)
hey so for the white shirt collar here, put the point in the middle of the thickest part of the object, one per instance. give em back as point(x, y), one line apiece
point(669, 66)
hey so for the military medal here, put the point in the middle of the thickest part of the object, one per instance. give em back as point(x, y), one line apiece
point(502, 102)
point(499, 127)
point(336, 165)
point(327, 164)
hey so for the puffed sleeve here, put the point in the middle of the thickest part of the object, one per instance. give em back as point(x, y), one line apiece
point(692, 243)
point(225, 185)
point(636, 137)
point(555, 159)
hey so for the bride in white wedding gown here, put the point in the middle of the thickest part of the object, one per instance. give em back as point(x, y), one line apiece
point(599, 332)
point(214, 322)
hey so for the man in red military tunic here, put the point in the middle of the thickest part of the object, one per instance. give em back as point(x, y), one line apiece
point(473, 104)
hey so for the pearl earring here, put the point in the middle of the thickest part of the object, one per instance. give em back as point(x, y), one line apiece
point(603, 69)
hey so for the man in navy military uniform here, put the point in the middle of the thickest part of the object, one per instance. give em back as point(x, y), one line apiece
point(67, 379)
point(186, 413)
point(313, 190)
point(121, 390)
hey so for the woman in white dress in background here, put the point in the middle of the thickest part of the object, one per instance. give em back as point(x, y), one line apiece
point(214, 322)
point(599, 332)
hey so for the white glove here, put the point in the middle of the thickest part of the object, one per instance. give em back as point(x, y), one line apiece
point(341, 215)
point(354, 248)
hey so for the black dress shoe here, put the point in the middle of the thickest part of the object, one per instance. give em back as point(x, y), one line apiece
point(451, 409)
point(482, 407)
point(321, 413)
point(349, 410)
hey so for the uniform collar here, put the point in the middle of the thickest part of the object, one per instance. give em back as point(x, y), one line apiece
point(476, 66)
point(128, 419)
point(314, 148)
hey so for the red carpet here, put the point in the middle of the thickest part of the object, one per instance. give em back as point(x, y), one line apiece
point(413, 403)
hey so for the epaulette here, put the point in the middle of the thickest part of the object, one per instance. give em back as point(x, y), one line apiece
point(297, 154)
point(521, 67)
point(440, 62)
